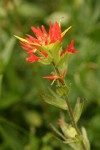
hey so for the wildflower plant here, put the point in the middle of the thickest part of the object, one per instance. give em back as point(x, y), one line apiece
point(46, 48)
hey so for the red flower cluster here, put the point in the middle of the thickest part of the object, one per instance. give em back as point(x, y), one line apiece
point(43, 38)
point(46, 47)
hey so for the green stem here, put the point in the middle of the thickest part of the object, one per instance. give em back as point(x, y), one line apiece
point(72, 116)
point(73, 121)
point(70, 111)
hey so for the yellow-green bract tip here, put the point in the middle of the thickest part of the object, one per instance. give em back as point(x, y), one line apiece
point(21, 39)
point(63, 33)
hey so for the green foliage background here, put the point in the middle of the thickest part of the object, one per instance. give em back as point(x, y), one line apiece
point(24, 117)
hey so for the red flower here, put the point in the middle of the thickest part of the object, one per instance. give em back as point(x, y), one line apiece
point(41, 38)
point(55, 33)
point(32, 58)
point(70, 48)
point(58, 76)
point(55, 77)
point(39, 47)
point(44, 38)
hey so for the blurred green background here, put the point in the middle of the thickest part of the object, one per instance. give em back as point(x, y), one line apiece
point(24, 117)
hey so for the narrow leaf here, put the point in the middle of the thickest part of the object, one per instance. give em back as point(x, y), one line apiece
point(78, 109)
point(55, 100)
point(86, 141)
point(57, 132)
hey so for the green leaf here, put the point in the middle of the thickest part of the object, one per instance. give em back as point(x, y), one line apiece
point(78, 109)
point(55, 100)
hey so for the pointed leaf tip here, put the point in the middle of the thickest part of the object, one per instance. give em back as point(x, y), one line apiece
point(21, 39)
point(63, 33)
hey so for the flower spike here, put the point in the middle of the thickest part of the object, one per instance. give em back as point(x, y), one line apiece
point(46, 46)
